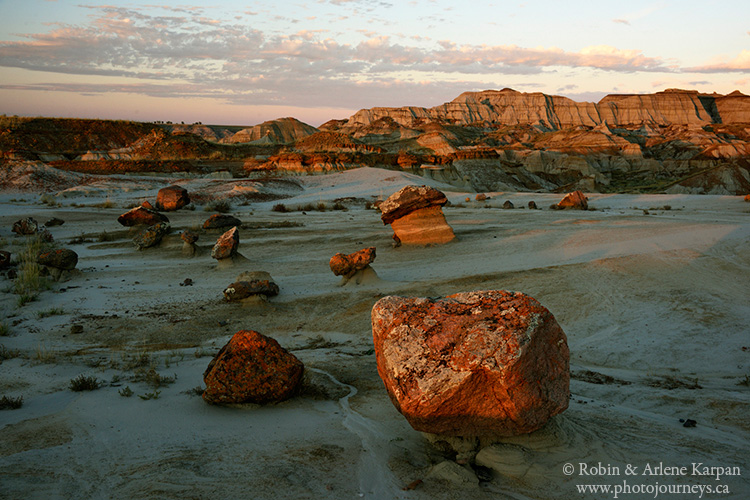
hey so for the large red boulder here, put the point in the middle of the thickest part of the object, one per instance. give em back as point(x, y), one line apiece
point(486, 364)
point(252, 368)
point(575, 200)
point(141, 216)
point(172, 198)
point(226, 245)
point(346, 265)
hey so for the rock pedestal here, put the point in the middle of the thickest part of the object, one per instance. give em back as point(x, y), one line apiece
point(349, 265)
point(483, 364)
point(252, 368)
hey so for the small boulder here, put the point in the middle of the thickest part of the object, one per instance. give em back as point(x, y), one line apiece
point(62, 258)
point(240, 290)
point(575, 200)
point(140, 216)
point(508, 205)
point(227, 244)
point(481, 197)
point(4, 259)
point(252, 368)
point(747, 197)
point(172, 198)
point(532, 205)
point(25, 227)
point(348, 265)
point(54, 221)
point(151, 236)
point(221, 221)
point(484, 364)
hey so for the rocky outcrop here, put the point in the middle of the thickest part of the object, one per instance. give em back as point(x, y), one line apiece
point(227, 244)
point(172, 198)
point(280, 131)
point(509, 107)
point(483, 364)
point(140, 216)
point(252, 368)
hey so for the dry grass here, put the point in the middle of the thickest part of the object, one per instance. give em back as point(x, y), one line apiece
point(84, 383)
point(7, 403)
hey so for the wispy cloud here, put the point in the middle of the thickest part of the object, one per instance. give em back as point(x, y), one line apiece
point(203, 56)
point(740, 64)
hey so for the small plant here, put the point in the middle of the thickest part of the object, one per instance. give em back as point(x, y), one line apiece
point(149, 395)
point(83, 383)
point(153, 378)
point(220, 206)
point(321, 207)
point(136, 360)
point(4, 330)
point(105, 204)
point(30, 279)
point(55, 311)
point(339, 206)
point(189, 206)
point(25, 298)
point(195, 391)
point(81, 238)
point(126, 392)
point(104, 236)
point(43, 355)
point(49, 200)
point(6, 353)
point(280, 207)
point(7, 403)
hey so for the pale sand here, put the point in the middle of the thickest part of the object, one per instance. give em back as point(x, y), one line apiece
point(646, 299)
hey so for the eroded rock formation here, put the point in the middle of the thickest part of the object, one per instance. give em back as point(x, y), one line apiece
point(416, 216)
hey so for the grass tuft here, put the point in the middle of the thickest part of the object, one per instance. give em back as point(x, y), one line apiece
point(7, 403)
point(83, 383)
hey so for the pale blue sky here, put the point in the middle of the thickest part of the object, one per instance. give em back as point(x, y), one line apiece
point(244, 62)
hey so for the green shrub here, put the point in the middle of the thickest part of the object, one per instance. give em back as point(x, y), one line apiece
point(7, 403)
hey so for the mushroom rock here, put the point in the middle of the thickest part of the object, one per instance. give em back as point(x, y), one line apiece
point(252, 368)
point(575, 200)
point(408, 199)
point(354, 264)
point(151, 236)
point(141, 216)
point(475, 364)
point(226, 245)
point(189, 238)
point(172, 198)
point(221, 221)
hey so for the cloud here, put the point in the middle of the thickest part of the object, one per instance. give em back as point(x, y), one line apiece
point(186, 53)
point(621, 21)
point(740, 64)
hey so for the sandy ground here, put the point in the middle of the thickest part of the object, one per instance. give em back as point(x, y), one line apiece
point(655, 307)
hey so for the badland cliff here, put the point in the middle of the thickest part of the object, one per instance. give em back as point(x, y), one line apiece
point(674, 141)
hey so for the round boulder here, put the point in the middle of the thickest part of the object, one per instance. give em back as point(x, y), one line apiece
point(63, 259)
point(252, 368)
point(483, 364)
point(172, 198)
point(141, 216)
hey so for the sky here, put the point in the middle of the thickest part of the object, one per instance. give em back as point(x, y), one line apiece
point(245, 62)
